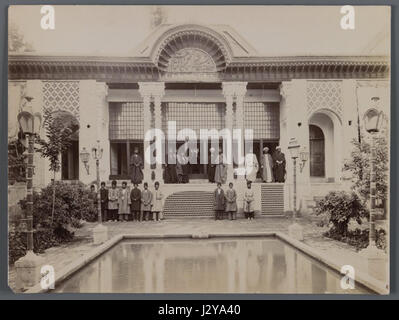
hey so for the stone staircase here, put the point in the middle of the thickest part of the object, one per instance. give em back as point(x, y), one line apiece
point(189, 204)
point(272, 199)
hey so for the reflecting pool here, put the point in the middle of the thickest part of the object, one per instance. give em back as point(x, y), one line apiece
point(244, 265)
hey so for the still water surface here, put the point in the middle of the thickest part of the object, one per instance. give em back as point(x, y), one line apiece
point(245, 265)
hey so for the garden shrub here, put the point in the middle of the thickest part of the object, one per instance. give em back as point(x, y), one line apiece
point(360, 238)
point(341, 207)
point(72, 204)
point(42, 240)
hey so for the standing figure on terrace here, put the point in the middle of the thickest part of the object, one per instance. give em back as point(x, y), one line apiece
point(136, 167)
point(267, 166)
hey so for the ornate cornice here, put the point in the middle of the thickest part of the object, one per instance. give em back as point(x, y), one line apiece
point(119, 69)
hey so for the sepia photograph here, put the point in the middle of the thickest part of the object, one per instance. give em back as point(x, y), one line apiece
point(199, 149)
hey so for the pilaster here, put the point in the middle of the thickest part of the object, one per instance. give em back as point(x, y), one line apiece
point(235, 91)
point(151, 91)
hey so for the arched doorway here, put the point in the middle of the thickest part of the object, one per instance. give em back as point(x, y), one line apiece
point(317, 151)
point(69, 158)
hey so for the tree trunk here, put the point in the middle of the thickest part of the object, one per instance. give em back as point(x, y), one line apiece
point(53, 204)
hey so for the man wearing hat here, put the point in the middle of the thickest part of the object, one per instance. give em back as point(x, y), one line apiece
point(211, 165)
point(136, 164)
point(279, 165)
point(267, 166)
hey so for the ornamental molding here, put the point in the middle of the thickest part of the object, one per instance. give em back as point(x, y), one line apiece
point(285, 89)
point(111, 69)
point(234, 89)
point(184, 32)
point(191, 60)
point(152, 89)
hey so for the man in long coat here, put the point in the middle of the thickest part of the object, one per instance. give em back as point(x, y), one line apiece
point(104, 201)
point(170, 168)
point(279, 165)
point(231, 202)
point(211, 166)
point(219, 202)
point(135, 199)
point(251, 166)
point(136, 164)
point(267, 166)
point(124, 202)
point(146, 202)
point(221, 170)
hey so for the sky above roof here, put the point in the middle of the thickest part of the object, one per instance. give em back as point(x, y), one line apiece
point(271, 30)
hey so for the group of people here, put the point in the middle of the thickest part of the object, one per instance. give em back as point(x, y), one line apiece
point(124, 204)
point(177, 169)
point(225, 202)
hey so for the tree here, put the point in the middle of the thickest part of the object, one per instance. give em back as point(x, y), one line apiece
point(58, 141)
point(16, 161)
point(16, 40)
point(359, 166)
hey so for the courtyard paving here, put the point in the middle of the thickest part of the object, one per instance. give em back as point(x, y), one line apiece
point(62, 255)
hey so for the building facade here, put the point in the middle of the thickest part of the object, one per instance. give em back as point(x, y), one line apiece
point(205, 77)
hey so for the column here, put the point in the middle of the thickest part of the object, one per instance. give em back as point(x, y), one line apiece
point(149, 91)
point(229, 126)
point(159, 91)
point(147, 126)
point(235, 90)
point(103, 129)
point(89, 126)
point(294, 123)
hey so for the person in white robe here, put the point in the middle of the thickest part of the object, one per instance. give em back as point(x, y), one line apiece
point(267, 166)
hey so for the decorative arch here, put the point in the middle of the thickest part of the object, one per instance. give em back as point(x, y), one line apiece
point(317, 151)
point(202, 42)
point(325, 133)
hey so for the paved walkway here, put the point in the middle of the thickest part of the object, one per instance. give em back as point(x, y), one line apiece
point(60, 256)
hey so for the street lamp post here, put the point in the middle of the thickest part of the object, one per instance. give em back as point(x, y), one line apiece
point(294, 230)
point(372, 123)
point(376, 259)
point(28, 267)
point(100, 232)
point(97, 153)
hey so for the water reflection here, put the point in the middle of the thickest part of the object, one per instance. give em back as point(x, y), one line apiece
point(205, 266)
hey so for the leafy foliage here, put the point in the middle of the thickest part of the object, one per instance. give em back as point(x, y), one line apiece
point(360, 238)
point(58, 140)
point(42, 240)
point(359, 166)
point(341, 207)
point(16, 161)
point(72, 203)
point(16, 40)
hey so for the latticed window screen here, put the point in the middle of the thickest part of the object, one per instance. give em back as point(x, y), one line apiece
point(194, 116)
point(126, 121)
point(263, 118)
point(61, 95)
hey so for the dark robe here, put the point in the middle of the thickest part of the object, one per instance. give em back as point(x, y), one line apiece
point(219, 200)
point(136, 164)
point(135, 199)
point(211, 172)
point(279, 166)
point(104, 198)
point(170, 171)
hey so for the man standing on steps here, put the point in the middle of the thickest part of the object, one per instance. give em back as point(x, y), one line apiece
point(136, 164)
point(279, 165)
point(219, 202)
point(267, 166)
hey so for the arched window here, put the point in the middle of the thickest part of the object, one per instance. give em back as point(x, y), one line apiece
point(317, 151)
